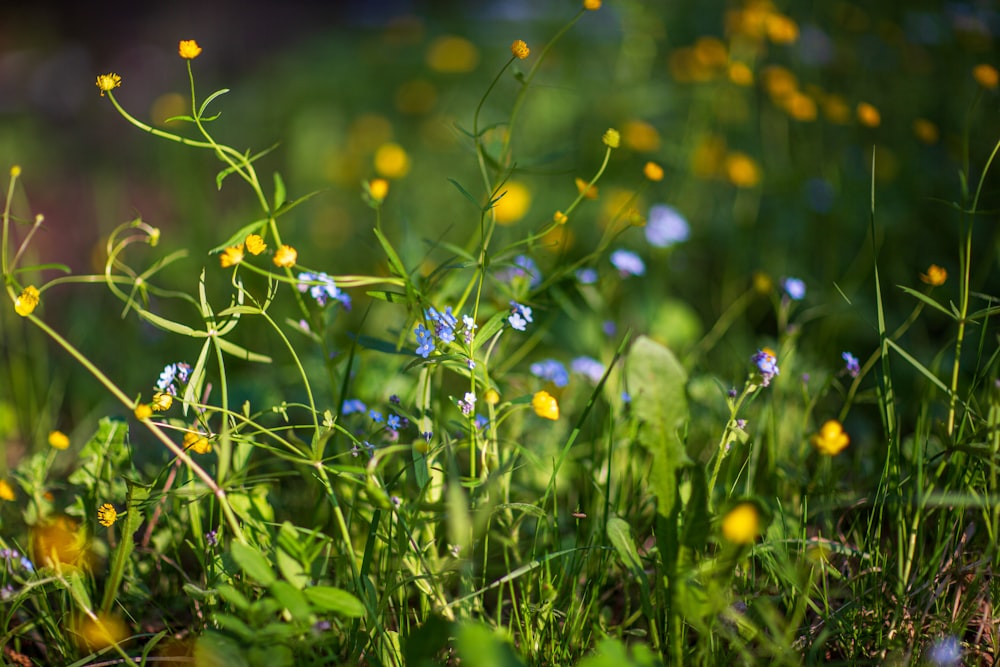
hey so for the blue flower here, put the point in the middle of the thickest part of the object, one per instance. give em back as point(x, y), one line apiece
point(945, 652)
point(666, 226)
point(586, 276)
point(794, 288)
point(375, 415)
point(551, 370)
point(767, 365)
point(322, 288)
point(444, 323)
point(523, 267)
point(481, 422)
point(589, 367)
point(469, 329)
point(853, 366)
point(628, 263)
point(425, 341)
point(351, 406)
point(520, 316)
point(467, 404)
point(167, 377)
point(393, 422)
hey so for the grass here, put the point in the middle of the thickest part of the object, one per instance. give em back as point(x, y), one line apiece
point(509, 423)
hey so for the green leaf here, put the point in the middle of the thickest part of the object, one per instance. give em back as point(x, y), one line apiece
point(697, 522)
point(279, 191)
point(291, 599)
point(212, 649)
point(927, 300)
point(465, 193)
point(331, 599)
point(390, 252)
point(241, 352)
point(620, 535)
point(233, 597)
point(255, 227)
point(211, 98)
point(656, 381)
point(43, 267)
point(292, 203)
point(479, 646)
point(253, 563)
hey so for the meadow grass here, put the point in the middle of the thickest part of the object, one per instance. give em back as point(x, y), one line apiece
point(511, 440)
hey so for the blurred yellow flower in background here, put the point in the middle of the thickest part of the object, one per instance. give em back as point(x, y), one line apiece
point(392, 161)
point(935, 275)
point(514, 203)
point(868, 115)
point(7, 491)
point(986, 75)
point(58, 440)
point(741, 170)
point(831, 439)
point(741, 525)
point(452, 55)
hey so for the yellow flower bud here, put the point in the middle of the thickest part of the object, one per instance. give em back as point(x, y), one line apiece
point(520, 49)
point(592, 5)
point(58, 440)
point(560, 218)
point(611, 138)
point(143, 411)
point(107, 515)
point(831, 438)
point(378, 188)
point(26, 302)
point(935, 275)
point(545, 405)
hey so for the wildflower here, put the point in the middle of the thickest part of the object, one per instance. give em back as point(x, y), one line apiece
point(592, 5)
point(741, 525)
point(467, 404)
point(589, 367)
point(107, 82)
point(444, 323)
point(552, 371)
point(986, 75)
point(452, 54)
point(740, 74)
point(868, 115)
point(352, 405)
point(653, 171)
point(231, 256)
point(161, 401)
point(588, 191)
point(520, 49)
point(586, 276)
point(425, 341)
point(935, 276)
point(285, 257)
point(395, 422)
point(513, 203)
point(524, 267)
point(322, 288)
point(492, 396)
point(15, 171)
point(188, 49)
point(212, 538)
point(392, 161)
point(559, 218)
point(143, 411)
point(781, 29)
point(794, 288)
point(378, 188)
point(853, 366)
point(666, 226)
point(107, 515)
point(27, 301)
point(640, 136)
point(741, 170)
point(375, 415)
point(831, 438)
point(612, 138)
point(58, 540)
point(197, 442)
point(469, 327)
point(255, 244)
point(545, 405)
point(628, 263)
point(7, 491)
point(101, 631)
point(520, 316)
point(767, 365)
point(58, 440)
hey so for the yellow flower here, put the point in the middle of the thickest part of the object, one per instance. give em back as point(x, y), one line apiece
point(101, 631)
point(545, 405)
point(640, 136)
point(255, 244)
point(231, 256)
point(740, 74)
point(520, 49)
point(868, 115)
point(391, 161)
point(106, 82)
point(378, 188)
point(452, 55)
point(26, 302)
point(6, 491)
point(143, 411)
point(741, 525)
point(197, 443)
point(611, 138)
point(588, 192)
point(59, 540)
point(560, 218)
point(781, 29)
point(161, 401)
point(653, 171)
point(188, 49)
point(592, 5)
point(935, 275)
point(741, 170)
point(831, 438)
point(286, 256)
point(492, 397)
point(107, 515)
point(15, 171)
point(513, 204)
point(986, 75)
point(58, 440)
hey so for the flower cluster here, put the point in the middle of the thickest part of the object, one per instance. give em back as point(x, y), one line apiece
point(172, 376)
point(852, 365)
point(322, 288)
point(767, 365)
point(443, 330)
point(467, 404)
point(588, 367)
point(520, 316)
point(10, 556)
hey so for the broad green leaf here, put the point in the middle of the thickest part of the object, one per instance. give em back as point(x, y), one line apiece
point(291, 599)
point(212, 649)
point(233, 596)
point(657, 382)
point(479, 646)
point(330, 599)
point(253, 563)
point(620, 535)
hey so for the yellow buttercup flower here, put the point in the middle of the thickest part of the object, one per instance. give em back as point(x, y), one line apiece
point(520, 49)
point(106, 82)
point(26, 302)
point(513, 204)
point(107, 515)
point(197, 443)
point(6, 491)
point(378, 188)
point(231, 256)
point(612, 138)
point(741, 525)
point(161, 401)
point(868, 115)
point(286, 256)
point(653, 171)
point(58, 440)
point(741, 170)
point(831, 438)
point(255, 244)
point(143, 411)
point(545, 405)
point(935, 275)
point(188, 49)
point(986, 75)
point(15, 171)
